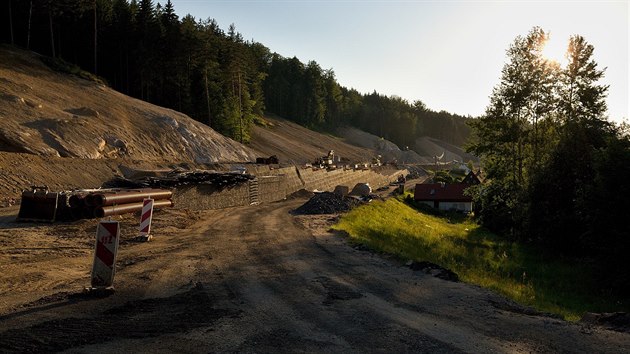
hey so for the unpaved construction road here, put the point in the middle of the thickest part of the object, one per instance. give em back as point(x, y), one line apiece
point(252, 279)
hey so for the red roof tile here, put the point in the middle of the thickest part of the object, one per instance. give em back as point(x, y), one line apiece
point(442, 192)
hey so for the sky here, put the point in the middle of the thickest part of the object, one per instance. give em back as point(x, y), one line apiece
point(447, 54)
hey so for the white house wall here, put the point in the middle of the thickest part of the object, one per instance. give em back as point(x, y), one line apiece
point(461, 206)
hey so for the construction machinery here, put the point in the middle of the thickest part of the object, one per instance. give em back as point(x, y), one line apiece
point(327, 161)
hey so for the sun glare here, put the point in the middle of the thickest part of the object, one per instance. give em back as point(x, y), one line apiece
point(555, 50)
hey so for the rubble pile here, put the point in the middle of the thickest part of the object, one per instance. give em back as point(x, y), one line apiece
point(415, 171)
point(327, 203)
point(178, 178)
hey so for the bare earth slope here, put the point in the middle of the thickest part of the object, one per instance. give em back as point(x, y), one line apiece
point(388, 150)
point(53, 114)
point(293, 143)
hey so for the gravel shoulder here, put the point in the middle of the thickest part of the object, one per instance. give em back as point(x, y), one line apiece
point(252, 279)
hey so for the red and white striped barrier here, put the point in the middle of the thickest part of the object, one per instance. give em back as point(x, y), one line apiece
point(145, 219)
point(105, 251)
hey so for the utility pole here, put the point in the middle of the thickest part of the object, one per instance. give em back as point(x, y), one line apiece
point(11, 22)
point(208, 96)
point(95, 41)
point(240, 108)
point(28, 34)
point(52, 37)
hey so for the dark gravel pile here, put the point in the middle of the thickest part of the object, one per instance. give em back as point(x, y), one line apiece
point(327, 203)
point(415, 171)
point(616, 321)
point(434, 269)
point(177, 178)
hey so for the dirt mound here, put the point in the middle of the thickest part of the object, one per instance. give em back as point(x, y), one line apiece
point(47, 113)
point(327, 203)
point(302, 193)
point(431, 147)
point(293, 143)
point(388, 150)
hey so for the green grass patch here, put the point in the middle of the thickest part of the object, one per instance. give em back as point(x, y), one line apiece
point(479, 257)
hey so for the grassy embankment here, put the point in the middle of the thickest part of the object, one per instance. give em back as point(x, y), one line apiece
point(478, 257)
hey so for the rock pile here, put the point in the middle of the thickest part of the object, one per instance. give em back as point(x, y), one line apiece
point(327, 203)
point(177, 178)
point(616, 321)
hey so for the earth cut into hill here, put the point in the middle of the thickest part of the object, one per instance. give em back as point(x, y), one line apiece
point(47, 113)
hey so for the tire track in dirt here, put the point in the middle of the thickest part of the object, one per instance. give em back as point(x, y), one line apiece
point(255, 279)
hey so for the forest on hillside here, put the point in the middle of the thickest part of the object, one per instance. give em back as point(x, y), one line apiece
point(143, 49)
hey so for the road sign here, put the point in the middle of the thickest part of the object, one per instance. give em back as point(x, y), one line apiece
point(105, 251)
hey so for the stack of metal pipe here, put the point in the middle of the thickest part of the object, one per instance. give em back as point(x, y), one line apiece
point(106, 202)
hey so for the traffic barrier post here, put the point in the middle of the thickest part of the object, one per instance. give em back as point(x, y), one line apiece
point(145, 219)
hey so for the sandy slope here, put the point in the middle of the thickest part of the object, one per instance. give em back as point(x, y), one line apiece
point(293, 143)
point(53, 114)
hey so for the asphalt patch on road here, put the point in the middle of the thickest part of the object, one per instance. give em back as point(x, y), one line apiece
point(135, 319)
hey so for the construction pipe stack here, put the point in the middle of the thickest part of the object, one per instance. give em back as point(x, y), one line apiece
point(106, 202)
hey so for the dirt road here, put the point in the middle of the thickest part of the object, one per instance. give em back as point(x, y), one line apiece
point(252, 279)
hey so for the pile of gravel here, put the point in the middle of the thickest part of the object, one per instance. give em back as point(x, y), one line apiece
point(327, 203)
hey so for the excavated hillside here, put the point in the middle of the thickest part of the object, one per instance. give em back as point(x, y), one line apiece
point(293, 143)
point(47, 113)
point(67, 132)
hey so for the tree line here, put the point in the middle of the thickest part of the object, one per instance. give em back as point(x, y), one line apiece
point(145, 50)
point(557, 169)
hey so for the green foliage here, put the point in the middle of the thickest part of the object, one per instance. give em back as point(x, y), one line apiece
point(547, 146)
point(478, 256)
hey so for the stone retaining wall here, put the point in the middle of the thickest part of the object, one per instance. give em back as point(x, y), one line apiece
point(203, 196)
point(274, 184)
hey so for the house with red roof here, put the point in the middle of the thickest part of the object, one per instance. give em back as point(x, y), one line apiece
point(444, 196)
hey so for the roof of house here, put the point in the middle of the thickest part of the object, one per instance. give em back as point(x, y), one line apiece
point(442, 192)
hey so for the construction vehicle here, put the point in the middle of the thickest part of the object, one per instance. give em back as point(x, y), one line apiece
point(327, 161)
point(271, 160)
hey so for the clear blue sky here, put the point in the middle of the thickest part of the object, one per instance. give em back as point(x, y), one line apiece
point(448, 54)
